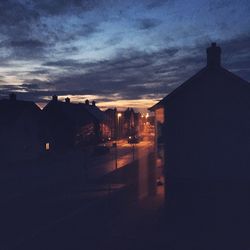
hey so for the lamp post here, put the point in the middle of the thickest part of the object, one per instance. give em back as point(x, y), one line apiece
point(117, 137)
point(118, 124)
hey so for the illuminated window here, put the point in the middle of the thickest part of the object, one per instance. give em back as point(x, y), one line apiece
point(47, 146)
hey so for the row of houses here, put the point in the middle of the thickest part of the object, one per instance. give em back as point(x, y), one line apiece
point(26, 131)
point(123, 123)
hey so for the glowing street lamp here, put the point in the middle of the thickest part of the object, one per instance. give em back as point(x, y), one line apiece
point(119, 115)
point(116, 144)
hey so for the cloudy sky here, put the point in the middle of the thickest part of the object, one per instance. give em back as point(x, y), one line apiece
point(120, 53)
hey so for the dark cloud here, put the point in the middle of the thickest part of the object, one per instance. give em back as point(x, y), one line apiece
point(27, 44)
point(23, 48)
point(39, 71)
point(14, 13)
point(148, 23)
point(54, 32)
point(136, 74)
point(237, 45)
point(70, 49)
point(156, 3)
point(38, 85)
point(28, 25)
point(88, 29)
point(30, 86)
point(127, 74)
point(67, 63)
point(114, 41)
point(218, 4)
point(59, 7)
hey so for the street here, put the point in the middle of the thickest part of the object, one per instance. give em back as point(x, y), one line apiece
point(38, 211)
point(126, 153)
point(113, 215)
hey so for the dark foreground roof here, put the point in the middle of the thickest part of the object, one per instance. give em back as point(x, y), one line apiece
point(11, 110)
point(76, 111)
point(212, 72)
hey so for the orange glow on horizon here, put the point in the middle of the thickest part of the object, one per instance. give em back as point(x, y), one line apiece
point(142, 104)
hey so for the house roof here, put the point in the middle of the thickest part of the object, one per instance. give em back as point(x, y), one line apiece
point(95, 112)
point(209, 73)
point(75, 111)
point(11, 110)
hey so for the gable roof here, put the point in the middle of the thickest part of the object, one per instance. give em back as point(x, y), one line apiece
point(75, 112)
point(12, 110)
point(161, 103)
point(213, 71)
point(95, 112)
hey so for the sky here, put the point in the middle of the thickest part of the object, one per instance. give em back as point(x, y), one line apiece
point(118, 53)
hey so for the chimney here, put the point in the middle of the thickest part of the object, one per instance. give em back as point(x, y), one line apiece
point(67, 100)
point(55, 98)
point(93, 103)
point(213, 56)
point(87, 102)
point(12, 96)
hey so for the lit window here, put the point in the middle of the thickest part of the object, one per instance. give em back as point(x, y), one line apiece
point(47, 146)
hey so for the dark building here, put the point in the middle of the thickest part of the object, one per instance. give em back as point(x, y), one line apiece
point(21, 135)
point(129, 122)
point(99, 118)
point(71, 125)
point(123, 123)
point(112, 120)
point(207, 148)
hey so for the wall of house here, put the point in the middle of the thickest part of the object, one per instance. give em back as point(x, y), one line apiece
point(159, 120)
point(21, 140)
point(207, 131)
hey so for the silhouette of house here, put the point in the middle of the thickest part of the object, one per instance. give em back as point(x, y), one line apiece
point(207, 125)
point(20, 130)
point(101, 127)
point(129, 122)
point(207, 146)
point(71, 125)
point(112, 119)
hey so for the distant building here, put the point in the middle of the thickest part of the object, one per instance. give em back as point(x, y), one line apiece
point(21, 135)
point(71, 125)
point(123, 123)
point(129, 122)
point(112, 121)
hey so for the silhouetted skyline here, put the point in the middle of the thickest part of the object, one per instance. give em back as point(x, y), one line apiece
point(110, 51)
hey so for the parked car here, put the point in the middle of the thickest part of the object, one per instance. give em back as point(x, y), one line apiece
point(133, 139)
point(105, 139)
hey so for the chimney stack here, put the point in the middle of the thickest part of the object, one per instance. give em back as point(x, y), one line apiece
point(12, 96)
point(55, 98)
point(67, 100)
point(213, 56)
point(87, 102)
point(93, 103)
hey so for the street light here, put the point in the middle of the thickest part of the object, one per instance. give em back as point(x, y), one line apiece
point(116, 144)
point(118, 125)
